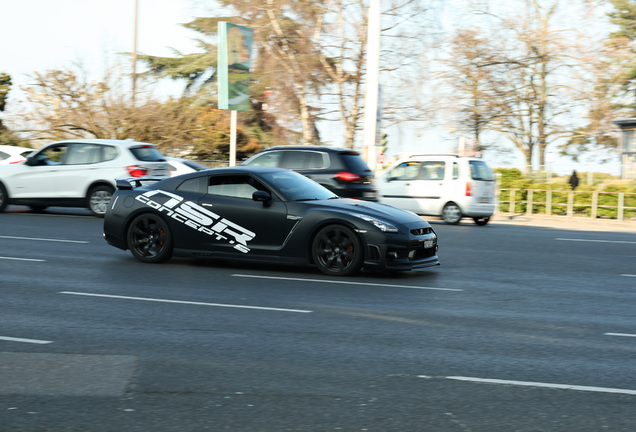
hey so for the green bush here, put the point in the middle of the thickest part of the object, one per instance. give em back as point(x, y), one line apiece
point(508, 175)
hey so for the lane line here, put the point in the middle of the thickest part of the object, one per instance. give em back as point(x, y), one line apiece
point(596, 241)
point(44, 239)
point(148, 299)
point(344, 282)
point(542, 385)
point(629, 275)
point(33, 341)
point(620, 334)
point(22, 259)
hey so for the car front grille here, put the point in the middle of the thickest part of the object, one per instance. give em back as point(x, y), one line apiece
point(421, 231)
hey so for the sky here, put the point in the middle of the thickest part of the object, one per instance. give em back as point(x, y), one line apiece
point(38, 35)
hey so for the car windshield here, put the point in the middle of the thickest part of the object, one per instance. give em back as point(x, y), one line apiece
point(296, 187)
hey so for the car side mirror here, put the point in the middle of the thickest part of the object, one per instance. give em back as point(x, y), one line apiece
point(263, 196)
point(31, 161)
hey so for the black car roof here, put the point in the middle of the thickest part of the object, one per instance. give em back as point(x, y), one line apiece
point(310, 147)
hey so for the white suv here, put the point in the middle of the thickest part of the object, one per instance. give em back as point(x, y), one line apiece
point(77, 173)
point(449, 186)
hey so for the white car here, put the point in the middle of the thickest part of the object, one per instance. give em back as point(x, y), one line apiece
point(180, 166)
point(13, 154)
point(449, 186)
point(77, 173)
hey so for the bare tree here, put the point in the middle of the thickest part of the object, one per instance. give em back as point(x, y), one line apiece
point(66, 104)
point(530, 76)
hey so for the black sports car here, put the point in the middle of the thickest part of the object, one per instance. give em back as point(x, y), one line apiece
point(264, 215)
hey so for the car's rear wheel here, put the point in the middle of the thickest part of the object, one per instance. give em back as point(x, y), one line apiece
point(98, 199)
point(149, 238)
point(481, 221)
point(451, 213)
point(4, 198)
point(337, 250)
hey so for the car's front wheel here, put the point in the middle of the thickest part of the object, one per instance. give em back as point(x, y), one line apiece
point(4, 198)
point(98, 199)
point(451, 213)
point(337, 251)
point(149, 238)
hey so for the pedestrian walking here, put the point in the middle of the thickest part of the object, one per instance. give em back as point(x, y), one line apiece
point(574, 180)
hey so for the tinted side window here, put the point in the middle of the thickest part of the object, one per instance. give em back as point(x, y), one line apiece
point(147, 153)
point(196, 185)
point(480, 171)
point(237, 186)
point(293, 160)
point(314, 160)
point(455, 170)
point(267, 159)
point(4, 155)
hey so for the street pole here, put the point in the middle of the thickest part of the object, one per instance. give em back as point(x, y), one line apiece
point(134, 59)
point(372, 83)
point(233, 125)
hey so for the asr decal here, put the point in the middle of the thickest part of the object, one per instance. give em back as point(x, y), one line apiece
point(198, 218)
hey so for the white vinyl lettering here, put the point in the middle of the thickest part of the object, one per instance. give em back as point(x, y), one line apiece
point(198, 218)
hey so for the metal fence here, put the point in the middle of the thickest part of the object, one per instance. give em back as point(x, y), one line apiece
point(589, 204)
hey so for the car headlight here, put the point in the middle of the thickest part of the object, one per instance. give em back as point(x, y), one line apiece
point(379, 224)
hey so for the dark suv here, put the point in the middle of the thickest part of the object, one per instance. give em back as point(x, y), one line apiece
point(342, 171)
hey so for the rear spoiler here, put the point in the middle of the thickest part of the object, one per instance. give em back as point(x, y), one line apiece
point(129, 183)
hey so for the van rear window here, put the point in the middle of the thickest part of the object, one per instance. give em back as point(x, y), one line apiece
point(480, 171)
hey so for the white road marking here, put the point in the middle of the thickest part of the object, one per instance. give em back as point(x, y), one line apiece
point(33, 341)
point(345, 282)
point(540, 384)
point(44, 239)
point(629, 275)
point(22, 259)
point(186, 302)
point(620, 334)
point(596, 241)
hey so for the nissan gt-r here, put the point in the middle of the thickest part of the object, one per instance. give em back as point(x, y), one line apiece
point(264, 214)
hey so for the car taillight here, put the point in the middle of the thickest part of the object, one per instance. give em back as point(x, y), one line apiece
point(348, 177)
point(137, 171)
point(468, 186)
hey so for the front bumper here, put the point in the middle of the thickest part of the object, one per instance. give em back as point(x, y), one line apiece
point(418, 250)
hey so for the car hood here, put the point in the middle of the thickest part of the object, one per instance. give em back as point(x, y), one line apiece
point(370, 208)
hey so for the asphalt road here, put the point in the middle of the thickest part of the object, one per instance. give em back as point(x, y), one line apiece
point(522, 328)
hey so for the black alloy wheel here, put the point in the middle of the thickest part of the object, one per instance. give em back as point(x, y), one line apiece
point(149, 238)
point(337, 251)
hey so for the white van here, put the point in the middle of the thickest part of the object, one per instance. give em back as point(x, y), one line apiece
point(449, 186)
